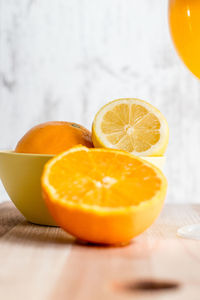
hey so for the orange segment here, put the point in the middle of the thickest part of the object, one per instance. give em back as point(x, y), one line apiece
point(103, 195)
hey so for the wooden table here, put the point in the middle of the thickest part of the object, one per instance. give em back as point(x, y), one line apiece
point(38, 262)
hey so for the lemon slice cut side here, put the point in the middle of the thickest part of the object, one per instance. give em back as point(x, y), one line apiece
point(132, 125)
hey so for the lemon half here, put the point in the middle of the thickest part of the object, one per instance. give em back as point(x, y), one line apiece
point(131, 125)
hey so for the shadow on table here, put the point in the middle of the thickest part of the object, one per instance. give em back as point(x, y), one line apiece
point(28, 234)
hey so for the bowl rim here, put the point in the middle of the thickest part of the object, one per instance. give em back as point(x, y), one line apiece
point(12, 152)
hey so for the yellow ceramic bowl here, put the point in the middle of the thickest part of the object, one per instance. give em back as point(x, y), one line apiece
point(20, 175)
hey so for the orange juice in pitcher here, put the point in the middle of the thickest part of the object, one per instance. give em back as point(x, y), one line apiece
point(184, 21)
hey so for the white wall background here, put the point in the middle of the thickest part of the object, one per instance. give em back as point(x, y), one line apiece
point(64, 59)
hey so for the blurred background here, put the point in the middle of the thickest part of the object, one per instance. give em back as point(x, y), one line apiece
point(64, 59)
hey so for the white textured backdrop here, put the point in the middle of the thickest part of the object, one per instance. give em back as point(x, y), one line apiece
point(64, 59)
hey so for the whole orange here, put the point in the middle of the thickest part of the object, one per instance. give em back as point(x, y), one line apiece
point(54, 137)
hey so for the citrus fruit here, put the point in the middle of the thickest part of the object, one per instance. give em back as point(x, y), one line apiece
point(103, 196)
point(132, 125)
point(53, 138)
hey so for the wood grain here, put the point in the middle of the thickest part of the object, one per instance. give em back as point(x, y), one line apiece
point(45, 263)
point(9, 218)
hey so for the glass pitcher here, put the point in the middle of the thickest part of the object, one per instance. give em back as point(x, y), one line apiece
point(184, 23)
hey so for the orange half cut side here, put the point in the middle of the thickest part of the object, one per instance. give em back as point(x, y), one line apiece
point(103, 195)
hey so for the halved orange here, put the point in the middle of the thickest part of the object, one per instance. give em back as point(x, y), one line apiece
point(103, 195)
